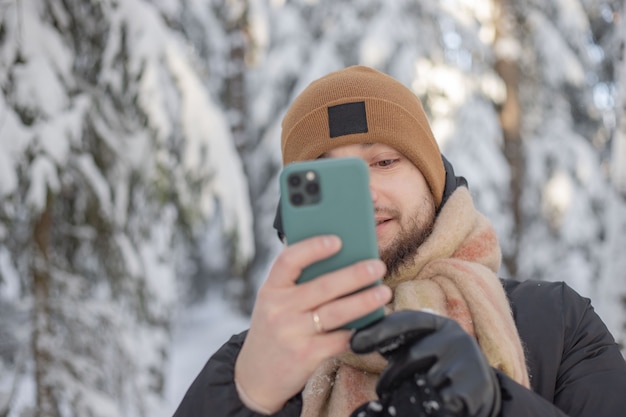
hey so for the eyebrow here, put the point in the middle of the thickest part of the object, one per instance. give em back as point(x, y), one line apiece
point(363, 145)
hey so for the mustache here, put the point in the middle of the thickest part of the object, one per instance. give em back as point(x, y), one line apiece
point(387, 211)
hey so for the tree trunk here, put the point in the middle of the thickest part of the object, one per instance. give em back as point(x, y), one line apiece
point(42, 328)
point(506, 66)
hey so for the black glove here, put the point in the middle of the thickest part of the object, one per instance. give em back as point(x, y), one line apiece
point(435, 368)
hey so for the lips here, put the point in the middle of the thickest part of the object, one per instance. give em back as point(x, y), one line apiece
point(381, 220)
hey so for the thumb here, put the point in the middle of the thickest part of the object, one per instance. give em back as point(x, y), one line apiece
point(394, 330)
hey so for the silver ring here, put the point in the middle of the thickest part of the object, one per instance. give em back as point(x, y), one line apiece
point(317, 323)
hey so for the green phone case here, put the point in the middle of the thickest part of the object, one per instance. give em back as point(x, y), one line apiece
point(341, 206)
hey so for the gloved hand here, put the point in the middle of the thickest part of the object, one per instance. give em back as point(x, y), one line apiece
point(435, 368)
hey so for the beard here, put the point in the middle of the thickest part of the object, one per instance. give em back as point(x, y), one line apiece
point(402, 249)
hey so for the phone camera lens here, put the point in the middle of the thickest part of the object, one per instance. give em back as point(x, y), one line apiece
point(312, 188)
point(297, 199)
point(294, 180)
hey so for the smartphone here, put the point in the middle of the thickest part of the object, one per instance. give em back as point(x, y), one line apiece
point(331, 196)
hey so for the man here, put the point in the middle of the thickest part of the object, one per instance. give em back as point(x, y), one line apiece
point(456, 339)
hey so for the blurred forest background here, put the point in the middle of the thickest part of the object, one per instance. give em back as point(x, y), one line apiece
point(139, 153)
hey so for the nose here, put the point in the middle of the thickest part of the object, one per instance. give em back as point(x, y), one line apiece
point(374, 187)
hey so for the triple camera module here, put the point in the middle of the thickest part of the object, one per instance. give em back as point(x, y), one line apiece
point(304, 188)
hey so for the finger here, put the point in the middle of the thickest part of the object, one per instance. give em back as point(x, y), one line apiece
point(339, 312)
point(431, 355)
point(332, 344)
point(405, 363)
point(471, 393)
point(462, 380)
point(395, 330)
point(452, 402)
point(460, 357)
point(294, 258)
point(339, 283)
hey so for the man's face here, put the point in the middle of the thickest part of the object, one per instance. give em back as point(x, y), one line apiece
point(404, 205)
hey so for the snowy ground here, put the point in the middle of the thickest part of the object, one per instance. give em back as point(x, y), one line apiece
point(198, 332)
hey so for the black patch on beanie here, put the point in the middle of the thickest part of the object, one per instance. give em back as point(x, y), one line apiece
point(347, 119)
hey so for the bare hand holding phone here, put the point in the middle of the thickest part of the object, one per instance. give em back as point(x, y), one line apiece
point(285, 343)
point(331, 196)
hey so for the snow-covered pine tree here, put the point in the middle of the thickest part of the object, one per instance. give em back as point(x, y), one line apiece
point(114, 158)
point(226, 38)
point(612, 287)
point(234, 19)
point(564, 139)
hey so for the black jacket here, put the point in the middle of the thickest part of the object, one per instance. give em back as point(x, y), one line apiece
point(575, 366)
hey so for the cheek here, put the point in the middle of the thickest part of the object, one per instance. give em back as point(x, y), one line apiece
point(393, 195)
point(415, 200)
point(405, 192)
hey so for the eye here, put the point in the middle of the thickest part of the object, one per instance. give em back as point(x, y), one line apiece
point(384, 163)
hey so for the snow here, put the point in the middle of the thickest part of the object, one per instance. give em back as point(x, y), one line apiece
point(156, 111)
point(43, 175)
point(173, 97)
point(129, 254)
point(158, 262)
point(56, 135)
point(100, 187)
point(201, 120)
point(48, 63)
point(378, 43)
point(557, 197)
point(38, 86)
point(199, 331)
point(10, 288)
point(8, 177)
point(564, 67)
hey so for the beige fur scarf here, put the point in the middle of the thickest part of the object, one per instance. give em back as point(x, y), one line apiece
point(454, 275)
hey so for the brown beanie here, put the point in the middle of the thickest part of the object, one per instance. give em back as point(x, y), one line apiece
point(361, 105)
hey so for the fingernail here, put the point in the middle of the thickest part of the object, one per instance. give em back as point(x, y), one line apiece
point(375, 268)
point(330, 241)
point(383, 293)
